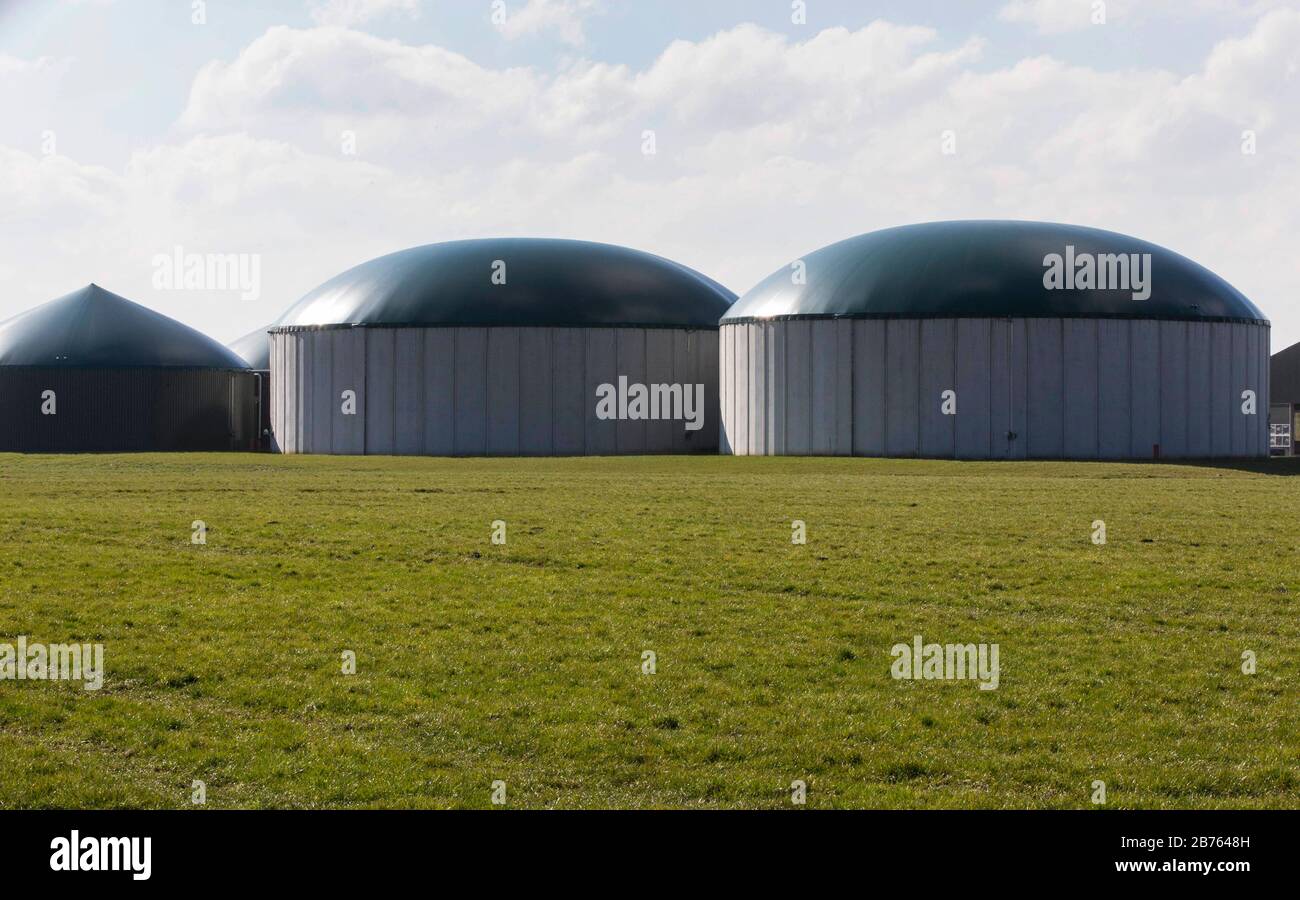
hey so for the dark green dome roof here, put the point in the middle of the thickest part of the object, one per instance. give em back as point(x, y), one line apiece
point(95, 328)
point(547, 283)
point(982, 269)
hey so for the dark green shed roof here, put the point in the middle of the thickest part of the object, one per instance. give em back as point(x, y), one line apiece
point(547, 283)
point(981, 269)
point(95, 328)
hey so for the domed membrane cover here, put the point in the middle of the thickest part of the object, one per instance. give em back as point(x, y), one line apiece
point(514, 281)
point(95, 328)
point(983, 269)
point(254, 348)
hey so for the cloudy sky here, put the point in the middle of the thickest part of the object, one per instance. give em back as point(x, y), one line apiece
point(321, 133)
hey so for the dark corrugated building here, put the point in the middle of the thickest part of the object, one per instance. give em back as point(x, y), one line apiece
point(1284, 398)
point(92, 371)
point(995, 340)
point(501, 347)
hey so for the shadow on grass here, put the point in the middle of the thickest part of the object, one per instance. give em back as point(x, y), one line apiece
point(1285, 466)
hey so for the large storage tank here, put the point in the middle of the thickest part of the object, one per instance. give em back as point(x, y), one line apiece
point(92, 371)
point(995, 340)
point(501, 347)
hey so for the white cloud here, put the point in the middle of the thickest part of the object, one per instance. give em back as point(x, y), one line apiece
point(562, 17)
point(30, 93)
point(406, 102)
point(347, 13)
point(16, 67)
point(768, 148)
point(1061, 16)
point(1057, 16)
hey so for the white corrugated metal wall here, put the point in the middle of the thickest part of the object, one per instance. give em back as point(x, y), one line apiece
point(498, 391)
point(1066, 388)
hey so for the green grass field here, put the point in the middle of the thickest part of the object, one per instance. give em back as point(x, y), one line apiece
point(523, 663)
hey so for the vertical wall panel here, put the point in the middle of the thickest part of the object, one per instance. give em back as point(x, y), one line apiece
point(471, 391)
point(659, 370)
point(331, 357)
point(869, 387)
point(1115, 396)
point(280, 370)
point(938, 374)
point(276, 376)
point(602, 368)
point(440, 391)
point(706, 361)
point(902, 387)
point(288, 430)
point(1018, 448)
point(1144, 385)
point(320, 401)
point(282, 387)
point(740, 438)
point(299, 389)
point(1045, 430)
point(726, 370)
point(408, 404)
point(1221, 407)
point(1080, 386)
point(357, 424)
point(630, 344)
point(1262, 367)
point(798, 388)
point(1174, 399)
point(757, 389)
point(1252, 377)
point(777, 336)
point(503, 374)
point(1263, 359)
point(1002, 388)
point(347, 432)
point(825, 390)
point(844, 387)
point(739, 412)
point(691, 366)
point(1259, 360)
point(1200, 394)
point(292, 412)
point(274, 403)
point(769, 391)
point(305, 384)
point(536, 387)
point(1240, 382)
point(380, 413)
point(348, 351)
point(572, 401)
point(974, 426)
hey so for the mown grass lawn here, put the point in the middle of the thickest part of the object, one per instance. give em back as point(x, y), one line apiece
point(523, 663)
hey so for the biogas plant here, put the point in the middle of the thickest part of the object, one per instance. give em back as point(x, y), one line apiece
point(995, 340)
point(501, 347)
point(962, 340)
